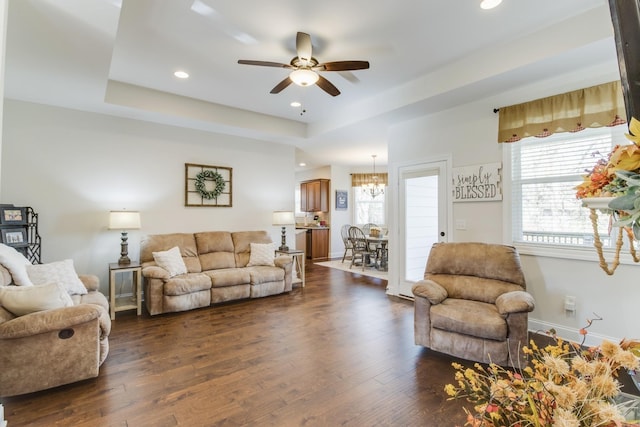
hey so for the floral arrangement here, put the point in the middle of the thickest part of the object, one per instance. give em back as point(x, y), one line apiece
point(565, 385)
point(603, 180)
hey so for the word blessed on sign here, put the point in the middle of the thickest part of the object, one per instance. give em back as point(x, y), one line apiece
point(477, 183)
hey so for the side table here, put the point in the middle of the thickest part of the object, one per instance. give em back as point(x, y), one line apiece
point(119, 302)
point(298, 263)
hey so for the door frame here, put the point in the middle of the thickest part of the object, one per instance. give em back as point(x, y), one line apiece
point(396, 223)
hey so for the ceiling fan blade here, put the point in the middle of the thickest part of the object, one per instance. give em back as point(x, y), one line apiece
point(263, 63)
point(282, 85)
point(342, 66)
point(327, 86)
point(303, 46)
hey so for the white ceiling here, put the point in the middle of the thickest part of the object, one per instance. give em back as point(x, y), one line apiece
point(118, 57)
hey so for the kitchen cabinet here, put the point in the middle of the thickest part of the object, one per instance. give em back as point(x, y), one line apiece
point(318, 244)
point(314, 195)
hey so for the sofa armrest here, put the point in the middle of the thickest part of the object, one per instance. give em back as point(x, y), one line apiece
point(282, 260)
point(53, 320)
point(515, 302)
point(90, 281)
point(430, 290)
point(155, 272)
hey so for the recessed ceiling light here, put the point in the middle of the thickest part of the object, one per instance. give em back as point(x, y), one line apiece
point(181, 74)
point(295, 104)
point(489, 4)
point(302, 164)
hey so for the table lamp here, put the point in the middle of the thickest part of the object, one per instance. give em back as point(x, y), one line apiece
point(124, 220)
point(283, 218)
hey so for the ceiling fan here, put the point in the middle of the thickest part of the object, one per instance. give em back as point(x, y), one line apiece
point(305, 67)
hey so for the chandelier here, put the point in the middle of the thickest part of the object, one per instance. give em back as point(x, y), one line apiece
point(373, 188)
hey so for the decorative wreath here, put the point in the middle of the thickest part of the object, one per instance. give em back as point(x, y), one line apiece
point(209, 175)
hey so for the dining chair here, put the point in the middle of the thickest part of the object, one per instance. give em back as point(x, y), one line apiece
point(344, 232)
point(366, 229)
point(360, 248)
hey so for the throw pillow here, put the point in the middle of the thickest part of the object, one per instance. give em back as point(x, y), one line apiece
point(16, 263)
point(59, 271)
point(261, 254)
point(21, 300)
point(171, 261)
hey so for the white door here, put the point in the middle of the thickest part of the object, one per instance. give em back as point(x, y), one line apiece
point(423, 197)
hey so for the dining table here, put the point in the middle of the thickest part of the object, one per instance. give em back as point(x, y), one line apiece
point(380, 241)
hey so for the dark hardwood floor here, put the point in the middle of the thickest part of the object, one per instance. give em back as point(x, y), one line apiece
point(337, 352)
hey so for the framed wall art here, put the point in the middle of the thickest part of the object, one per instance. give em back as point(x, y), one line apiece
point(11, 215)
point(207, 185)
point(342, 200)
point(14, 236)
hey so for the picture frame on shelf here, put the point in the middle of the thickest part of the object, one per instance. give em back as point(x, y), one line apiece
point(342, 200)
point(14, 236)
point(11, 215)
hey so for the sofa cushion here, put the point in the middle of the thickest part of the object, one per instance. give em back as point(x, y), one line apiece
point(474, 288)
point(16, 263)
point(58, 271)
point(242, 244)
point(186, 284)
point(490, 261)
point(265, 274)
point(261, 254)
point(92, 297)
point(215, 249)
point(469, 318)
point(21, 300)
point(171, 261)
point(229, 277)
point(162, 242)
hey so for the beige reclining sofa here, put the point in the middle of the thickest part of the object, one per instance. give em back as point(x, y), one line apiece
point(219, 266)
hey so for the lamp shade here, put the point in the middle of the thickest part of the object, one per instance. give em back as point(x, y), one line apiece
point(124, 220)
point(283, 218)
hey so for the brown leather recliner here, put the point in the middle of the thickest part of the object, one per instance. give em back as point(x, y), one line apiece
point(473, 303)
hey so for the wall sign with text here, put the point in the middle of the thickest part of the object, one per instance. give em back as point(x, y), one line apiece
point(478, 183)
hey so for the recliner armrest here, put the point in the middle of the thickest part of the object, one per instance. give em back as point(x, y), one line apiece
point(90, 281)
point(52, 320)
point(282, 260)
point(155, 272)
point(515, 302)
point(430, 290)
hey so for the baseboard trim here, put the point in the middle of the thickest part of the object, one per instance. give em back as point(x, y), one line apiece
point(570, 334)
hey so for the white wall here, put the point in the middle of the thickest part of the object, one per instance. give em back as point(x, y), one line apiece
point(340, 180)
point(73, 167)
point(468, 134)
point(4, 11)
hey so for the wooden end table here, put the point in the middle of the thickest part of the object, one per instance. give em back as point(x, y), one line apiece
point(298, 263)
point(120, 302)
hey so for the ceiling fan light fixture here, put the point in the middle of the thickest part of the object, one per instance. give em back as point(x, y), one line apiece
point(489, 4)
point(304, 77)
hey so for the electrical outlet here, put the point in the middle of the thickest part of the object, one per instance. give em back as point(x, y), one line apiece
point(570, 306)
point(461, 224)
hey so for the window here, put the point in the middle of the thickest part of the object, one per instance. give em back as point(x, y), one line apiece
point(545, 172)
point(368, 209)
